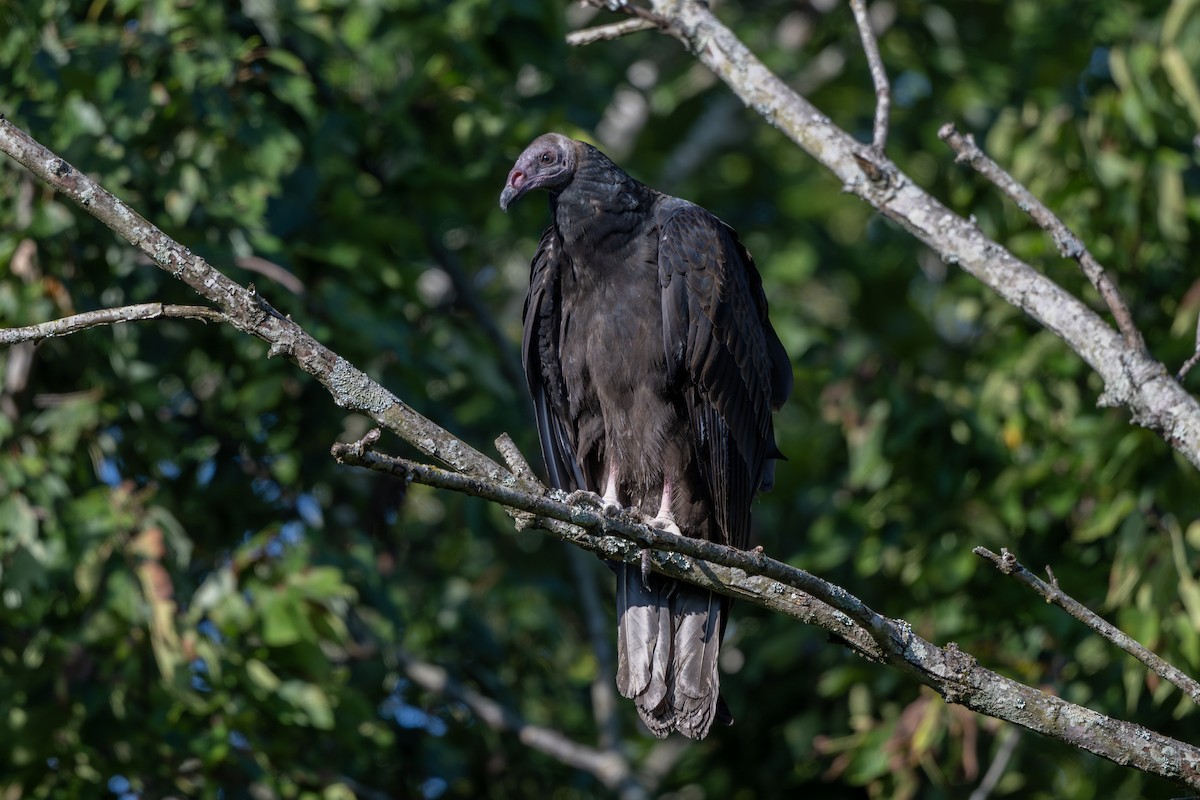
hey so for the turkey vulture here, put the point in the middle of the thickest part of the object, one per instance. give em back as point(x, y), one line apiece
point(654, 371)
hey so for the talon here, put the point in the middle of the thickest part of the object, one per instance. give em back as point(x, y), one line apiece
point(584, 497)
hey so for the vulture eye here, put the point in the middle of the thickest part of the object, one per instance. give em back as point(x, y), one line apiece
point(547, 158)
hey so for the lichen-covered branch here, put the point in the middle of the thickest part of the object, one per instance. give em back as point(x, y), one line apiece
point(243, 308)
point(620, 537)
point(606, 33)
point(105, 316)
point(763, 581)
point(883, 91)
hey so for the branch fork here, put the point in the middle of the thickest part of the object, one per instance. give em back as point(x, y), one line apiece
point(1008, 564)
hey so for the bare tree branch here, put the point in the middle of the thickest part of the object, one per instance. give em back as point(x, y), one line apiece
point(1190, 363)
point(621, 537)
point(106, 316)
point(1007, 563)
point(605, 33)
point(1067, 242)
point(351, 388)
point(633, 10)
point(607, 766)
point(883, 93)
point(765, 582)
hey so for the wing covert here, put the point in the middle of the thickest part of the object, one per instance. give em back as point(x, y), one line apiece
point(726, 358)
point(543, 369)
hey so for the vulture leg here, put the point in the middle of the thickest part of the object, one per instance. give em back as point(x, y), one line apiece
point(609, 503)
point(663, 521)
point(612, 486)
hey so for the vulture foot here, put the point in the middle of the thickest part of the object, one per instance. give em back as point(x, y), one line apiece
point(605, 506)
point(665, 521)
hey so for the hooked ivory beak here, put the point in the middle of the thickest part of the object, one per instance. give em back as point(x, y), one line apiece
point(513, 189)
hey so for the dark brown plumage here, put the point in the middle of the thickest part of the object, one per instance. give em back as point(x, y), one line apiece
point(654, 371)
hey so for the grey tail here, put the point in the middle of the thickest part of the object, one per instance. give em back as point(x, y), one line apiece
point(668, 640)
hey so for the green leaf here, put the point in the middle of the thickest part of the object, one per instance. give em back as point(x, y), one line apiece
point(309, 699)
point(262, 676)
point(283, 619)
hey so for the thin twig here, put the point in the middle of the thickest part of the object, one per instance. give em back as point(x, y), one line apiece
point(883, 93)
point(1007, 563)
point(1069, 245)
point(629, 9)
point(1195, 359)
point(106, 316)
point(1009, 736)
point(626, 7)
point(609, 767)
point(1190, 363)
point(608, 32)
point(515, 459)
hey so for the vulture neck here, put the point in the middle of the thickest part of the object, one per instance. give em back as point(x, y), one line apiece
point(602, 207)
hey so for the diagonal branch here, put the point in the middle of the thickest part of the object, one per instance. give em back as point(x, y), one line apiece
point(771, 584)
point(1069, 245)
point(243, 308)
point(608, 32)
point(105, 316)
point(883, 92)
point(1007, 563)
point(620, 537)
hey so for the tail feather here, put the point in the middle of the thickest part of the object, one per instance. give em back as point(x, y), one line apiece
point(644, 648)
point(696, 689)
point(668, 641)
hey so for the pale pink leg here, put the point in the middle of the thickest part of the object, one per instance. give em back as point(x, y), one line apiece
point(663, 521)
point(612, 488)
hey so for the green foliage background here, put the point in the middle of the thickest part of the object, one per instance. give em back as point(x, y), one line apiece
point(194, 600)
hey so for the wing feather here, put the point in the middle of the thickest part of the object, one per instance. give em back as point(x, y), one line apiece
point(543, 369)
point(725, 355)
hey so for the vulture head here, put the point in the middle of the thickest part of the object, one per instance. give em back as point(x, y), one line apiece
point(548, 163)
